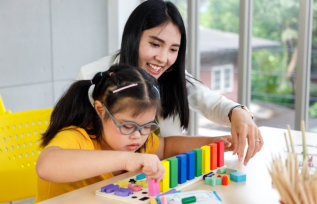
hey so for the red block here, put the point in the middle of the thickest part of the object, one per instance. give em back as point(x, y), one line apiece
point(225, 180)
point(220, 153)
point(213, 156)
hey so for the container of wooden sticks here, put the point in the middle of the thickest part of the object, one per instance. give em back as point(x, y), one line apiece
point(293, 177)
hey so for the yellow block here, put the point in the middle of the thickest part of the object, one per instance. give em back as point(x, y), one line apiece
point(142, 183)
point(123, 183)
point(165, 183)
point(205, 159)
point(153, 201)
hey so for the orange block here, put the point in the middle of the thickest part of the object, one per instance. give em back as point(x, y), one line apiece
point(213, 156)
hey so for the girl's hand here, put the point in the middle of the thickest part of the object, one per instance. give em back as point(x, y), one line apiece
point(149, 164)
point(243, 128)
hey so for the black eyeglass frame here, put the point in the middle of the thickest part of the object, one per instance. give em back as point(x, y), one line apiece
point(138, 127)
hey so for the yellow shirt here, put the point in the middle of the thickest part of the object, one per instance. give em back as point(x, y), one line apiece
point(77, 138)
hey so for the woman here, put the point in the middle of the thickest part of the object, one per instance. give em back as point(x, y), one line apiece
point(154, 38)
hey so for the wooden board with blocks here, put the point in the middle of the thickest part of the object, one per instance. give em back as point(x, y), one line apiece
point(142, 196)
point(180, 171)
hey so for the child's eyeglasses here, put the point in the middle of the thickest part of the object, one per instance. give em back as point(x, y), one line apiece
point(128, 128)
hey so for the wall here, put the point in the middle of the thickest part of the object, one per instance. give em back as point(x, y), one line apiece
point(43, 43)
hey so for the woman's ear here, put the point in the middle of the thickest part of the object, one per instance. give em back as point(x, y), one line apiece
point(100, 110)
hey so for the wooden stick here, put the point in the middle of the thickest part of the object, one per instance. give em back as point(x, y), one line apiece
point(303, 139)
point(285, 137)
point(290, 138)
point(308, 192)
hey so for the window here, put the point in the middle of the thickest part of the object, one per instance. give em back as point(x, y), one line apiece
point(222, 78)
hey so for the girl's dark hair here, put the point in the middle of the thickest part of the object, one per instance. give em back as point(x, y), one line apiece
point(75, 109)
point(173, 90)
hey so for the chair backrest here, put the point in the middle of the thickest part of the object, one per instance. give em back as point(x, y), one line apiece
point(20, 138)
point(2, 108)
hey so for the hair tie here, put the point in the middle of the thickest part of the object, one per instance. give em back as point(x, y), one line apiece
point(90, 92)
point(110, 74)
point(101, 74)
point(124, 87)
point(158, 92)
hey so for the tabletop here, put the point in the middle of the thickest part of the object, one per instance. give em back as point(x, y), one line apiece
point(258, 187)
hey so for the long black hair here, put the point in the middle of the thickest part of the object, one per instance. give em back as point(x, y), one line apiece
point(75, 109)
point(172, 83)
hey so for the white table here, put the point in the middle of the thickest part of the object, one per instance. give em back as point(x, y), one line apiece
point(256, 190)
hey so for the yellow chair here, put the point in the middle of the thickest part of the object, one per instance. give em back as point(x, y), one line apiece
point(20, 138)
point(2, 108)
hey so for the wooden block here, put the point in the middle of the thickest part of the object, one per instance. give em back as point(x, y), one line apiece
point(153, 187)
point(123, 183)
point(222, 170)
point(140, 176)
point(173, 172)
point(218, 180)
point(182, 168)
point(225, 180)
point(153, 201)
point(213, 181)
point(230, 169)
point(210, 174)
point(220, 153)
point(238, 176)
point(205, 159)
point(191, 165)
point(142, 183)
point(208, 180)
point(165, 183)
point(198, 160)
point(213, 156)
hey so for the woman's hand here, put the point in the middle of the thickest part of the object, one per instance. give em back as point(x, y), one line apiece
point(227, 141)
point(242, 128)
point(149, 164)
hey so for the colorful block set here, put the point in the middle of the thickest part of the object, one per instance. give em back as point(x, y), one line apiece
point(180, 171)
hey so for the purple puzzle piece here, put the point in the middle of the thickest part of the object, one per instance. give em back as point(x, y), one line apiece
point(124, 192)
point(109, 188)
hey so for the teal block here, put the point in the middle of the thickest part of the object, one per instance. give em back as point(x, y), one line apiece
point(221, 171)
point(238, 176)
point(173, 172)
point(213, 181)
point(198, 160)
point(140, 176)
point(208, 180)
point(230, 169)
point(218, 180)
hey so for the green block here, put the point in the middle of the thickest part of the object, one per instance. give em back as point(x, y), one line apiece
point(173, 172)
point(213, 181)
point(218, 180)
point(198, 160)
point(221, 171)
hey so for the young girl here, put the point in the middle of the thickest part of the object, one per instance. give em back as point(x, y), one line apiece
point(104, 127)
point(154, 39)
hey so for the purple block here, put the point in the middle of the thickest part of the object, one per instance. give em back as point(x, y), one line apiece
point(123, 192)
point(109, 188)
point(173, 190)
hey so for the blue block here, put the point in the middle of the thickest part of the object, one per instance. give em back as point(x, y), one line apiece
point(190, 165)
point(210, 174)
point(182, 168)
point(140, 176)
point(238, 176)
